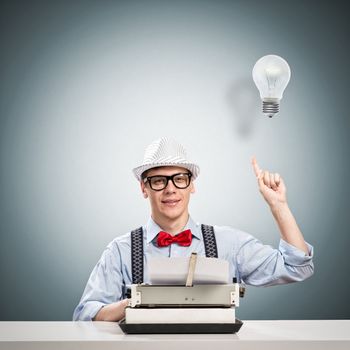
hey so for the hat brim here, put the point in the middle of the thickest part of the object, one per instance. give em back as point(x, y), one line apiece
point(193, 168)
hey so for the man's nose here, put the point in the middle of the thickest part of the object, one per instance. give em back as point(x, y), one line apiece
point(170, 187)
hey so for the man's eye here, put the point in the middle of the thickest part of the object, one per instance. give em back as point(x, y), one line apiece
point(158, 181)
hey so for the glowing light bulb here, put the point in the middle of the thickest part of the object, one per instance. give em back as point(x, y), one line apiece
point(271, 76)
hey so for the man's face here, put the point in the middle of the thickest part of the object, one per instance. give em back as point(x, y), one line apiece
point(171, 203)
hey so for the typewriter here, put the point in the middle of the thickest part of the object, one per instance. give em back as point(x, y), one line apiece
point(184, 308)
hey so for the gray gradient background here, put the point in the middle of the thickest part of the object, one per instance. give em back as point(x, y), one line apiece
point(86, 85)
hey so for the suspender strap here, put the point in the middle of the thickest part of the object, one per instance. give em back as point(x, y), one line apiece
point(137, 255)
point(211, 250)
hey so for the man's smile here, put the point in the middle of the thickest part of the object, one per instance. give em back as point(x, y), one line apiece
point(170, 202)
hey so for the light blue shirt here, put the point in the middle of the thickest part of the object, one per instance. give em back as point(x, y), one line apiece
point(250, 262)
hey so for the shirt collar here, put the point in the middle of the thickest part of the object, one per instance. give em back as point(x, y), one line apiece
point(152, 229)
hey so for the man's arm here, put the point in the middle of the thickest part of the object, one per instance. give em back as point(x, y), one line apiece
point(273, 190)
point(289, 229)
point(103, 289)
point(112, 312)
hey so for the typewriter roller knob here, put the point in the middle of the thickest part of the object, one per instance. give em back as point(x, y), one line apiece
point(241, 287)
point(241, 291)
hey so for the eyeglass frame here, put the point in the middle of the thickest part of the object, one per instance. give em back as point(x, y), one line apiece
point(168, 177)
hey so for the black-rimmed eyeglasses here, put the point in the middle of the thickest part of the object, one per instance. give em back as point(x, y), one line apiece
point(159, 182)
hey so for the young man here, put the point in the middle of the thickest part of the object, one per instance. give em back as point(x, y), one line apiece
point(166, 179)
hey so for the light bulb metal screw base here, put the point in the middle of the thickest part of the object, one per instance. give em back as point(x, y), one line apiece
point(271, 107)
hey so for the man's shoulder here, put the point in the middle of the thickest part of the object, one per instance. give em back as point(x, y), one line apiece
point(125, 237)
point(230, 233)
point(222, 232)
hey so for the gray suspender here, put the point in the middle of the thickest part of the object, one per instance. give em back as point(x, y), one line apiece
point(137, 255)
point(211, 250)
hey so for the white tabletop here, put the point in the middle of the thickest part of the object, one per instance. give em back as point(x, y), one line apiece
point(281, 335)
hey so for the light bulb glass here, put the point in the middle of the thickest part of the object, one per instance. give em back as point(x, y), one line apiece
point(271, 75)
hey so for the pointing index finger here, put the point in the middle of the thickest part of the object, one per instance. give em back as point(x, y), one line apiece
point(256, 167)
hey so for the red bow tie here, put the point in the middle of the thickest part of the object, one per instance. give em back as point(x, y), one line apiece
point(183, 238)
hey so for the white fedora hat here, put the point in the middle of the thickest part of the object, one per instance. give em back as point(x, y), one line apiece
point(165, 152)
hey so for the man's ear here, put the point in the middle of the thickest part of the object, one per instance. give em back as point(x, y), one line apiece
point(143, 189)
point(193, 189)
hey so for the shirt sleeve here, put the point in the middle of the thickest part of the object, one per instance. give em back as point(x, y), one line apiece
point(104, 285)
point(262, 265)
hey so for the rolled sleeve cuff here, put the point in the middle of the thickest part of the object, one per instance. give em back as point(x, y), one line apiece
point(89, 311)
point(295, 256)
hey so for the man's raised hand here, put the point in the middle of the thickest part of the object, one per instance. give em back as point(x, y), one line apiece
point(271, 185)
